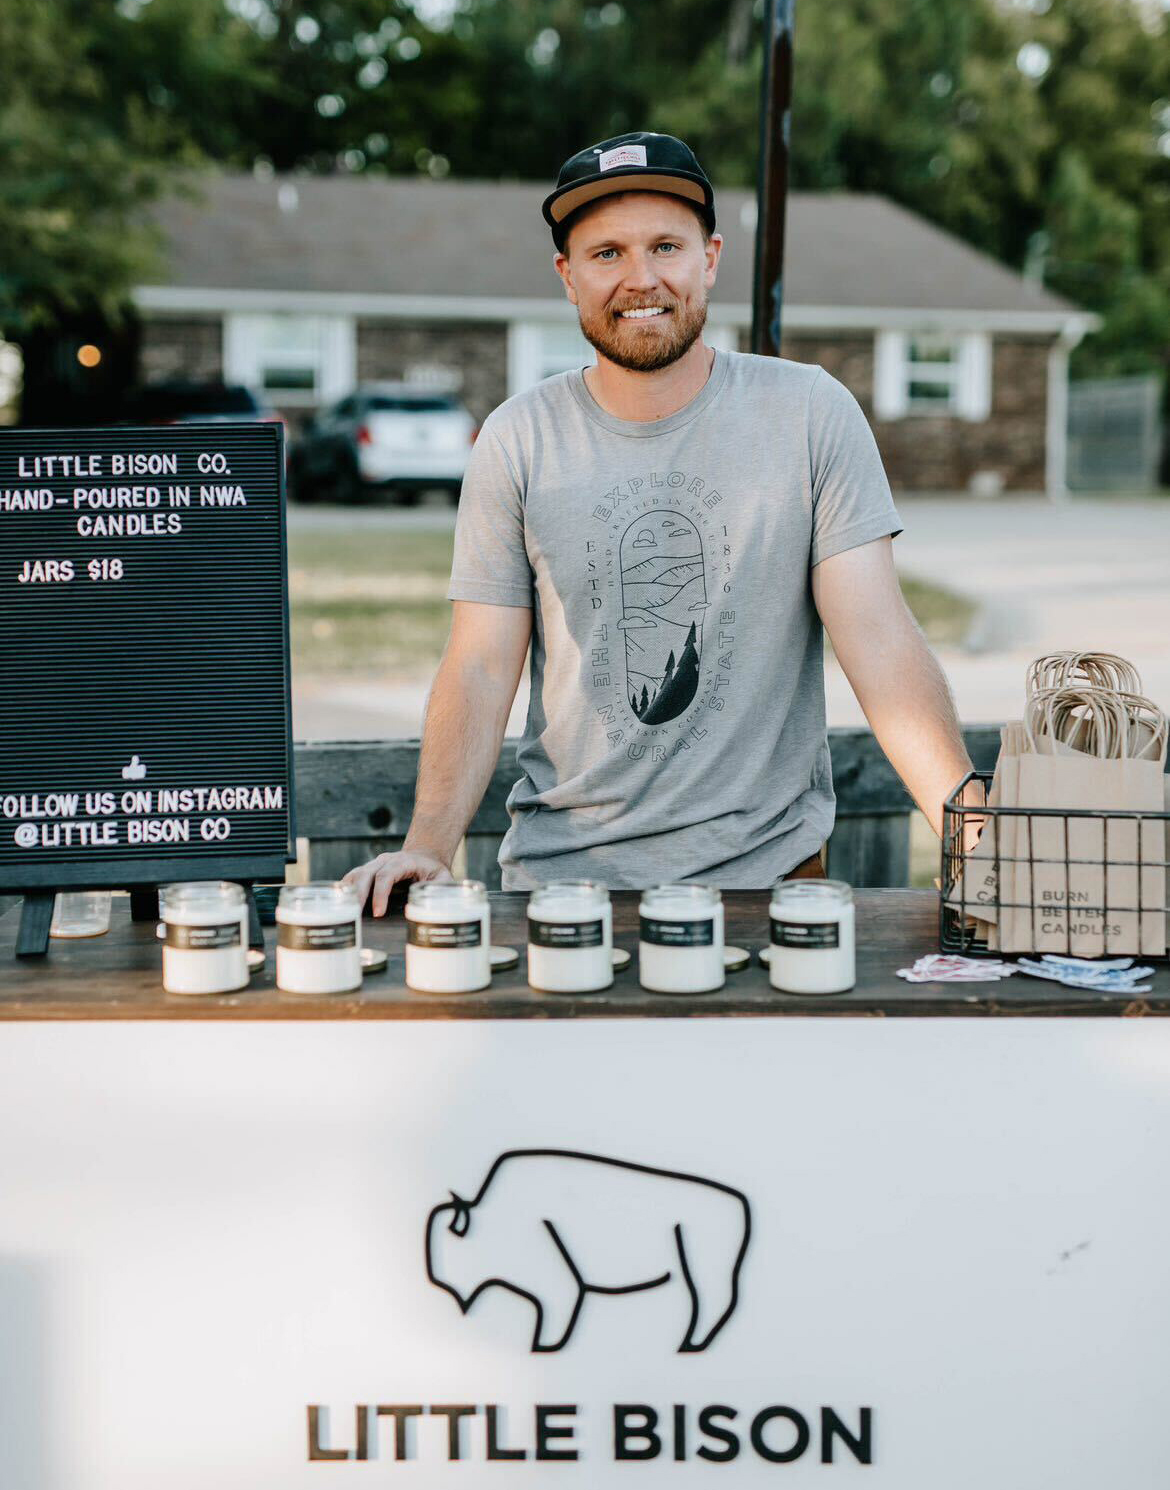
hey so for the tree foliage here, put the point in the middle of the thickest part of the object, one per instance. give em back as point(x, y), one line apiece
point(95, 123)
point(1038, 130)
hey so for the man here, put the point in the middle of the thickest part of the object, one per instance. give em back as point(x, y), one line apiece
point(669, 528)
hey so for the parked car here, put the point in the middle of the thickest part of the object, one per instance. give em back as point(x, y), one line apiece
point(178, 402)
point(385, 439)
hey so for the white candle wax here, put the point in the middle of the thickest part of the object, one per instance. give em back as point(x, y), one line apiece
point(812, 937)
point(448, 937)
point(680, 947)
point(205, 949)
point(570, 938)
point(318, 939)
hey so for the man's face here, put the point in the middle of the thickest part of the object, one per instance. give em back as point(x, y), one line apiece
point(638, 271)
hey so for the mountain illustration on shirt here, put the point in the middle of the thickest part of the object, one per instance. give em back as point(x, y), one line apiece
point(664, 597)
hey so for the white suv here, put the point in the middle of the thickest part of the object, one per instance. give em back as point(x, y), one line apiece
point(393, 439)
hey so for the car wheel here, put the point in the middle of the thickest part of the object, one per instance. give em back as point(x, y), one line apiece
point(296, 486)
point(346, 486)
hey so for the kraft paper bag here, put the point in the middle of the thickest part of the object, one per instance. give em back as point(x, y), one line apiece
point(1112, 862)
point(1166, 851)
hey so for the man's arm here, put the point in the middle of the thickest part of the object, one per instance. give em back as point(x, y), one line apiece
point(467, 713)
point(897, 680)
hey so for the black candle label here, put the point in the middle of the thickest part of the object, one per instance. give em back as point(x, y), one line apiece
point(316, 938)
point(806, 933)
point(204, 938)
point(444, 934)
point(566, 933)
point(677, 933)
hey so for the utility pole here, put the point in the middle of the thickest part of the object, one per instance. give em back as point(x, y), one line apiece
point(772, 188)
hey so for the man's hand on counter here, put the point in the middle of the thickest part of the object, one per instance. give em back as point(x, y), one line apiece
point(375, 881)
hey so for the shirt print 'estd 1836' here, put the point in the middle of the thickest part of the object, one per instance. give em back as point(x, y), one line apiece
point(676, 724)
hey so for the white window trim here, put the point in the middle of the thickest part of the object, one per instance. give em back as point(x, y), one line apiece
point(526, 351)
point(336, 370)
point(971, 377)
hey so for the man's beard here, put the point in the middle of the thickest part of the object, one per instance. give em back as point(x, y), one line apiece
point(629, 347)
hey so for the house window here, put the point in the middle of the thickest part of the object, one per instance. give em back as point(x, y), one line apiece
point(932, 374)
point(289, 354)
point(537, 350)
point(928, 373)
point(291, 360)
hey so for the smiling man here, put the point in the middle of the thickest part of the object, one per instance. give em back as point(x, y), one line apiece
point(669, 528)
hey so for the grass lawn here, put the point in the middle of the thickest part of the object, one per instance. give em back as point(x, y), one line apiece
point(370, 551)
point(369, 602)
point(374, 601)
point(944, 616)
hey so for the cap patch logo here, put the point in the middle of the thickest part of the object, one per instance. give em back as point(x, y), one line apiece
point(623, 155)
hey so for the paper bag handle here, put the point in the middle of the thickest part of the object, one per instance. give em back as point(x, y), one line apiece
point(1106, 724)
point(1094, 669)
point(1052, 714)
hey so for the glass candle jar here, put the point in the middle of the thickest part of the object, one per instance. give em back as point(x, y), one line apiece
point(812, 936)
point(81, 913)
point(570, 937)
point(680, 947)
point(448, 937)
point(318, 938)
point(205, 949)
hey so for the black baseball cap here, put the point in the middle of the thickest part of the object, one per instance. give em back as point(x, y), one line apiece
point(641, 161)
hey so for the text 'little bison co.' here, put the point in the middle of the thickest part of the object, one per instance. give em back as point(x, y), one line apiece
point(113, 510)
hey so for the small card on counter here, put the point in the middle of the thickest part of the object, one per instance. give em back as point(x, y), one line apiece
point(941, 967)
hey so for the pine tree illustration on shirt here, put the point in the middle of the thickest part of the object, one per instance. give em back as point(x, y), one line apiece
point(664, 597)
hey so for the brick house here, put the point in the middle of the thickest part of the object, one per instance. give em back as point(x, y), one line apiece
point(302, 287)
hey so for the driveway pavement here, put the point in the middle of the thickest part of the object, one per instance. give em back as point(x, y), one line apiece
point(1086, 575)
point(1091, 575)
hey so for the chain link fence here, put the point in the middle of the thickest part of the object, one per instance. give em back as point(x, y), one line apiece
point(1114, 434)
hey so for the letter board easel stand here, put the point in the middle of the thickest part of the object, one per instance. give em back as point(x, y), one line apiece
point(144, 703)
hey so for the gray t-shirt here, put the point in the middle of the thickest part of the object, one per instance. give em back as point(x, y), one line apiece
point(676, 728)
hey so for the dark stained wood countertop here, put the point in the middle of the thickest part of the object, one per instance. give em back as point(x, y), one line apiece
point(119, 976)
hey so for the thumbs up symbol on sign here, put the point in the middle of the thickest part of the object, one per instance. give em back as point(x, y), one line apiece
point(135, 771)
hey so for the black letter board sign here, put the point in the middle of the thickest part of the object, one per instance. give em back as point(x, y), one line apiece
point(144, 705)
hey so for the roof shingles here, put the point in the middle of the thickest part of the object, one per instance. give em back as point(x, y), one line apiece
point(379, 236)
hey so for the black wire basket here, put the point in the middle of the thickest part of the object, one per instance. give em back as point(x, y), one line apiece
point(971, 879)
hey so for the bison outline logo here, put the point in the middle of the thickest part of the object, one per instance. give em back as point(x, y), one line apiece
point(543, 1226)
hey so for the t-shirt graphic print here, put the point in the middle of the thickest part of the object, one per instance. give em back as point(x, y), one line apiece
point(664, 596)
point(676, 723)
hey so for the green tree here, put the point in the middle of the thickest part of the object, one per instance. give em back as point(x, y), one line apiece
point(1039, 130)
point(97, 111)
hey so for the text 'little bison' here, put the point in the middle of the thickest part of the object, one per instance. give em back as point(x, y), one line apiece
point(552, 1226)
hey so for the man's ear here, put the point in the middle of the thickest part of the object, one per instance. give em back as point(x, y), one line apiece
point(712, 250)
point(561, 265)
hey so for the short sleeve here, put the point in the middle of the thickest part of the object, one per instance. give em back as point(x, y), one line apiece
point(852, 503)
point(491, 560)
